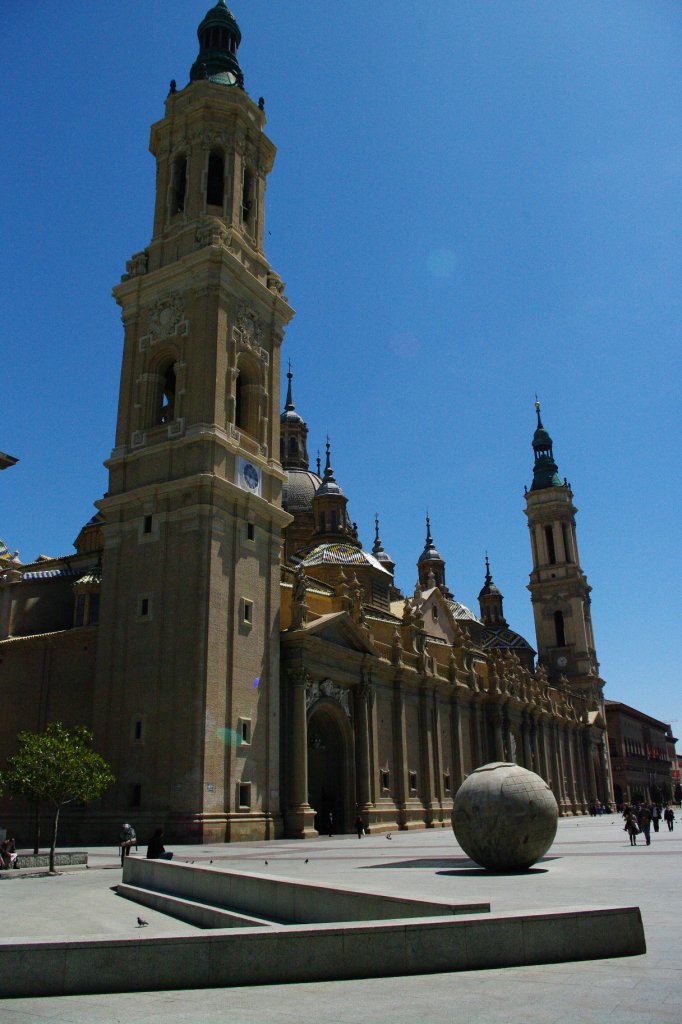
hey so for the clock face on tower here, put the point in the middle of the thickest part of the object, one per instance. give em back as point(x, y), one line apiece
point(251, 476)
point(562, 662)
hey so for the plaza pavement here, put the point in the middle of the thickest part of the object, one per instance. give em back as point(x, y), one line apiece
point(591, 862)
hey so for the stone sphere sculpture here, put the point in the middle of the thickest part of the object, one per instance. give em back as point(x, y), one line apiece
point(504, 817)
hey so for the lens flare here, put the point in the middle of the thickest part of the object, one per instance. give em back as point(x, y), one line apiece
point(229, 737)
point(256, 682)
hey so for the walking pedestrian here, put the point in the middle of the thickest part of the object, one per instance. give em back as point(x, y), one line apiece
point(656, 815)
point(359, 825)
point(669, 816)
point(330, 824)
point(631, 827)
point(126, 839)
point(644, 822)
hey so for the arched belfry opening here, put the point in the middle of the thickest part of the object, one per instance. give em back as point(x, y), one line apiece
point(166, 384)
point(330, 779)
point(247, 397)
point(215, 179)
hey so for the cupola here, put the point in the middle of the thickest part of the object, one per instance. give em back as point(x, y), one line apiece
point(545, 469)
point(490, 600)
point(293, 444)
point(378, 549)
point(431, 562)
point(332, 521)
point(219, 39)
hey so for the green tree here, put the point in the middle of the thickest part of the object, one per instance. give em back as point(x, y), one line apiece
point(60, 767)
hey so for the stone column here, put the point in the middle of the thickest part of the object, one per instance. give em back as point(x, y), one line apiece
point(456, 745)
point(545, 751)
point(580, 767)
point(426, 768)
point(400, 751)
point(496, 717)
point(535, 747)
point(507, 735)
point(438, 755)
point(589, 755)
point(361, 721)
point(558, 772)
point(525, 741)
point(570, 768)
point(300, 816)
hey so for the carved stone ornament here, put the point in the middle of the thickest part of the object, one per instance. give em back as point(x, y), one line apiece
point(326, 688)
point(248, 328)
point(136, 265)
point(212, 232)
point(165, 315)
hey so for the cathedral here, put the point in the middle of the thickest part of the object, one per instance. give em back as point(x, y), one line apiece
point(248, 669)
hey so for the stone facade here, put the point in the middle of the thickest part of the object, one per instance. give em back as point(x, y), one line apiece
point(246, 667)
point(643, 759)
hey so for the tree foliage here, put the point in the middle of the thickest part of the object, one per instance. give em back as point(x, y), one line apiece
point(57, 766)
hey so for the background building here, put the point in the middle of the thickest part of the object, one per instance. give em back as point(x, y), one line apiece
point(643, 758)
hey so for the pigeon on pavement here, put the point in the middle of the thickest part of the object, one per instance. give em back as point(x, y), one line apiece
point(141, 923)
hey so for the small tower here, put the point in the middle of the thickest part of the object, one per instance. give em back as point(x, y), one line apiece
point(332, 522)
point(430, 561)
point(378, 549)
point(490, 601)
point(293, 441)
point(559, 589)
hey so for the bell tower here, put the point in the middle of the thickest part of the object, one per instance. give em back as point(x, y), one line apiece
point(187, 690)
point(559, 589)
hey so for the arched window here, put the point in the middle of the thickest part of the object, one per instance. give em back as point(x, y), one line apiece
point(559, 629)
point(293, 446)
point(567, 542)
point(335, 521)
point(165, 405)
point(215, 180)
point(179, 184)
point(247, 197)
point(551, 551)
point(247, 398)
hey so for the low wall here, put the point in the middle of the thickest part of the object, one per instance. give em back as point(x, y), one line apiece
point(301, 953)
point(280, 899)
point(42, 860)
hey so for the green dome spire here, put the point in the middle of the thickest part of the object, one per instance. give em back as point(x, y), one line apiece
point(545, 470)
point(219, 39)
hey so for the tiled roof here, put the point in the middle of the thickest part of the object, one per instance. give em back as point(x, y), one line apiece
point(340, 554)
point(505, 639)
point(91, 576)
point(460, 611)
point(48, 574)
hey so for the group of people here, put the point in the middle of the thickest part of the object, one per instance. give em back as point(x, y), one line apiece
point(155, 849)
point(8, 854)
point(640, 817)
point(599, 808)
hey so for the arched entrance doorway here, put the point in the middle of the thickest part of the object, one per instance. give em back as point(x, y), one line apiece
point(330, 784)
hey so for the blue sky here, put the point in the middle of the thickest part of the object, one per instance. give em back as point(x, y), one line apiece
point(471, 202)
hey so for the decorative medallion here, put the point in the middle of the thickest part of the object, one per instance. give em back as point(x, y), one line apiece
point(248, 329)
point(165, 315)
point(326, 688)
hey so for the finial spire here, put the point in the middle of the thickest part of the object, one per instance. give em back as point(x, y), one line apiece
point(488, 577)
point(319, 463)
point(537, 409)
point(289, 407)
point(429, 538)
point(328, 471)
